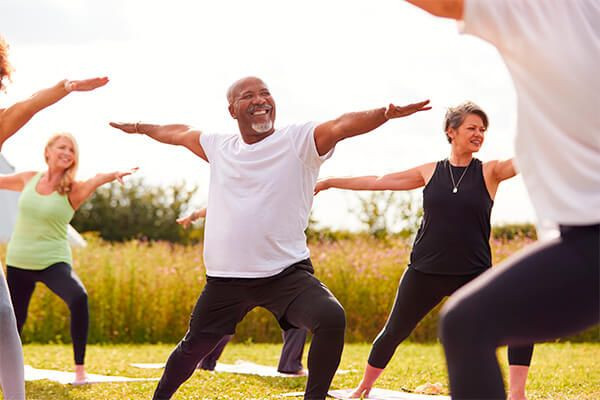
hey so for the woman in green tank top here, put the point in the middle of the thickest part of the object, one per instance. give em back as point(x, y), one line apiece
point(12, 119)
point(38, 250)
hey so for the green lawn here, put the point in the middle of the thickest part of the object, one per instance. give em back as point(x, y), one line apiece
point(559, 371)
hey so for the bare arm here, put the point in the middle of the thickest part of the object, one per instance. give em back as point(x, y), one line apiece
point(495, 172)
point(175, 134)
point(406, 180)
point(442, 8)
point(193, 217)
point(83, 190)
point(15, 182)
point(329, 133)
point(503, 170)
point(17, 115)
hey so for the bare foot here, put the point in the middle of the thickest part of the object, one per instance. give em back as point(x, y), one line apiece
point(300, 372)
point(80, 375)
point(361, 392)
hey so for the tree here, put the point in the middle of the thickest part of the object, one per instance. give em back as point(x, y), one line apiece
point(137, 211)
point(383, 212)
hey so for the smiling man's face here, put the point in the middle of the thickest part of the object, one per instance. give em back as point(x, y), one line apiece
point(251, 104)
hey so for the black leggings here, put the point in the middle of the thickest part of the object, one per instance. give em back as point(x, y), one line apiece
point(62, 280)
point(548, 291)
point(418, 293)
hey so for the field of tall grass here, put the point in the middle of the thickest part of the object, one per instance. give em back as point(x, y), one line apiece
point(142, 292)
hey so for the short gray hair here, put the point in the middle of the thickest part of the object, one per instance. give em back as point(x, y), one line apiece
point(455, 116)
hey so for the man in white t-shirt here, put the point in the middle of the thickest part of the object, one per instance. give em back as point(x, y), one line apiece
point(255, 252)
point(551, 48)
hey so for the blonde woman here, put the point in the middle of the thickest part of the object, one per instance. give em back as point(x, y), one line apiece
point(11, 120)
point(38, 250)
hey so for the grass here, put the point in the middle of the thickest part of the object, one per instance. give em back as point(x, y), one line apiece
point(560, 371)
point(142, 292)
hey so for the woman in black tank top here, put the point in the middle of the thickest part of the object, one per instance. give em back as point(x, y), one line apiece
point(452, 244)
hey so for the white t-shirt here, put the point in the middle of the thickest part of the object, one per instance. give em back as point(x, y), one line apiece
point(552, 50)
point(259, 199)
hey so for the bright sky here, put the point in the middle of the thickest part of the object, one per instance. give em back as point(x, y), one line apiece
point(173, 63)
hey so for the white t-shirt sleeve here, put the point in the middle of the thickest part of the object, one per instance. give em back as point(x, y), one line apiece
point(496, 21)
point(303, 141)
point(209, 141)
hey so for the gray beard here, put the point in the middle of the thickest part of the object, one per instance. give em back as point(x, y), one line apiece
point(263, 128)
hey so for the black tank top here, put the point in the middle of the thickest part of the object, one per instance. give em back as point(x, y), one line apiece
point(454, 235)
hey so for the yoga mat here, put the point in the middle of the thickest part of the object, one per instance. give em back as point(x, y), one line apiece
point(241, 367)
point(250, 368)
point(68, 378)
point(148, 365)
point(384, 394)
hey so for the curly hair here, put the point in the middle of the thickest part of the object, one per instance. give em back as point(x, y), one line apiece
point(455, 116)
point(5, 67)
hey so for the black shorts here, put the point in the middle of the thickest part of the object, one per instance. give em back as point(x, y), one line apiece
point(225, 301)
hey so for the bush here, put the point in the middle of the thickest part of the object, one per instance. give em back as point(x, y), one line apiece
point(385, 212)
point(514, 231)
point(137, 211)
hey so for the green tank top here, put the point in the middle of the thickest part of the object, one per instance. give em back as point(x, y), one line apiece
point(40, 236)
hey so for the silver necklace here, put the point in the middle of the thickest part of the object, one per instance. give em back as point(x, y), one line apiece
point(455, 185)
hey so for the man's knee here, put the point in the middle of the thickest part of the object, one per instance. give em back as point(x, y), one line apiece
point(330, 316)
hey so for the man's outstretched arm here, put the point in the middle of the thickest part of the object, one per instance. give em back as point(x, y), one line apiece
point(329, 133)
point(175, 134)
point(442, 8)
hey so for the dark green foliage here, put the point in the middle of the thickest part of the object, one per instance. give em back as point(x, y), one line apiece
point(137, 211)
point(514, 231)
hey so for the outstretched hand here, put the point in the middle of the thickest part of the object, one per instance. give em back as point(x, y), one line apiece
point(186, 221)
point(321, 185)
point(86, 84)
point(404, 111)
point(128, 127)
point(120, 174)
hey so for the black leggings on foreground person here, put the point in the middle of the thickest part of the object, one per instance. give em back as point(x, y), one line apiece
point(565, 273)
point(418, 293)
point(294, 296)
point(62, 280)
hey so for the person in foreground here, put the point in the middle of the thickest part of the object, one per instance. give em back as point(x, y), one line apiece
point(552, 289)
point(38, 250)
point(290, 360)
point(452, 246)
point(255, 252)
point(12, 119)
